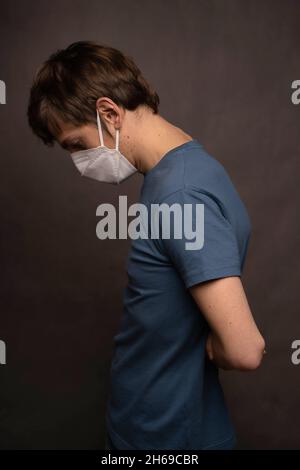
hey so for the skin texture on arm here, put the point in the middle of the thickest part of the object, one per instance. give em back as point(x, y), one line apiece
point(234, 341)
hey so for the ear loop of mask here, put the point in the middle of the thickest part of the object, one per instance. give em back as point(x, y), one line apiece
point(100, 130)
point(102, 141)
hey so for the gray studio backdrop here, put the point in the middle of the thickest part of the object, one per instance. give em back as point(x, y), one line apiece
point(223, 70)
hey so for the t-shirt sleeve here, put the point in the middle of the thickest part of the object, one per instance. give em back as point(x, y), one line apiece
point(205, 246)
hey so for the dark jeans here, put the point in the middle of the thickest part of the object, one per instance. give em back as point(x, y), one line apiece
point(108, 443)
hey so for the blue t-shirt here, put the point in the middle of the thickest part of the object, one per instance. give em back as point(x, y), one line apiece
point(164, 391)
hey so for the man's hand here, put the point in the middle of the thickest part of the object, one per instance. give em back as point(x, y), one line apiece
point(209, 349)
point(220, 361)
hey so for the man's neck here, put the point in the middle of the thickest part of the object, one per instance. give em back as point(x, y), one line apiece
point(154, 137)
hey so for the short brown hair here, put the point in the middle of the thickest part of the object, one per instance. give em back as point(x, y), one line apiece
point(67, 86)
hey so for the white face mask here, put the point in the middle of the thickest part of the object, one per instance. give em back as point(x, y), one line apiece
point(102, 163)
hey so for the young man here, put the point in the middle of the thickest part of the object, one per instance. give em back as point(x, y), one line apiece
point(185, 311)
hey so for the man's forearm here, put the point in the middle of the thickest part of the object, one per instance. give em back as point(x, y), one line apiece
point(239, 360)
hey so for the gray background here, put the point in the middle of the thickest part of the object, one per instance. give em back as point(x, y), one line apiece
point(223, 70)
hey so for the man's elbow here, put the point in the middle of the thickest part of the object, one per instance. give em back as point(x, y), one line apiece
point(251, 359)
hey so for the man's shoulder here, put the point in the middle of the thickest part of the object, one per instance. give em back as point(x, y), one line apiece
point(204, 171)
point(192, 170)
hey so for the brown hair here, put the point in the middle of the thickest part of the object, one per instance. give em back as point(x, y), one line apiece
point(67, 86)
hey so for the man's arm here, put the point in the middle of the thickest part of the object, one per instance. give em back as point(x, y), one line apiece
point(235, 341)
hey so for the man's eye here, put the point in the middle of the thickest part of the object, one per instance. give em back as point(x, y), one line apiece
point(77, 147)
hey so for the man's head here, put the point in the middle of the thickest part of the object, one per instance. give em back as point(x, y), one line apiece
point(74, 82)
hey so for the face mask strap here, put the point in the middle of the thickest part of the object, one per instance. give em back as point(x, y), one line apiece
point(117, 138)
point(100, 129)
